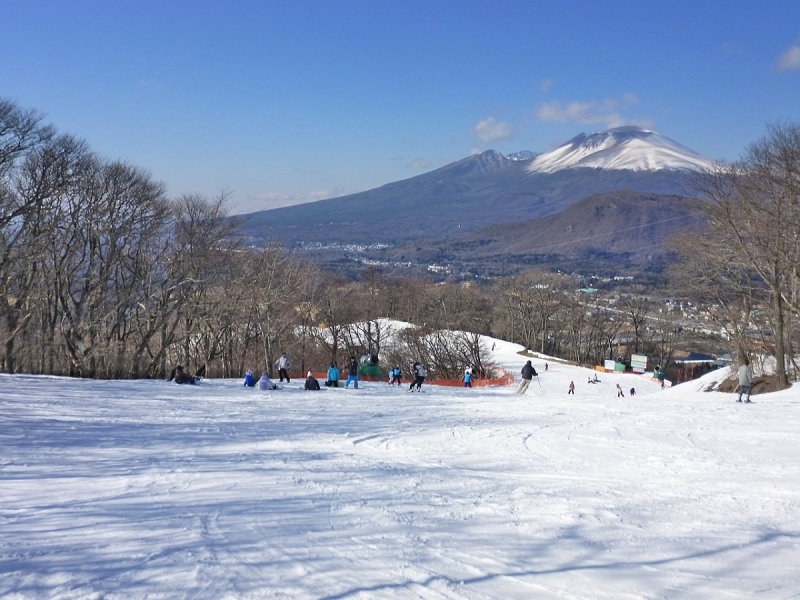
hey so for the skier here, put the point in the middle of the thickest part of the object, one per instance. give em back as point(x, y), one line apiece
point(419, 376)
point(467, 379)
point(249, 381)
point(620, 394)
point(396, 374)
point(311, 382)
point(283, 367)
point(632, 391)
point(745, 381)
point(333, 376)
point(352, 373)
point(571, 388)
point(545, 367)
point(528, 373)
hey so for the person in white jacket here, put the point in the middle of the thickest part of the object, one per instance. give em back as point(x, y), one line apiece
point(283, 367)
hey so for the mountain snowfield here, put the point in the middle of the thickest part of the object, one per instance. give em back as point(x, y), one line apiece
point(629, 148)
point(147, 489)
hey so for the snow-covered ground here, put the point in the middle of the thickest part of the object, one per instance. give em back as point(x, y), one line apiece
point(147, 489)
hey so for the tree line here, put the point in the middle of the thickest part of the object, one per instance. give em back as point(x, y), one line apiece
point(746, 262)
point(102, 274)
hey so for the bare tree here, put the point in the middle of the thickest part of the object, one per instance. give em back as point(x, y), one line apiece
point(753, 207)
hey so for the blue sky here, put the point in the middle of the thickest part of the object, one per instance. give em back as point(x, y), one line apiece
point(285, 102)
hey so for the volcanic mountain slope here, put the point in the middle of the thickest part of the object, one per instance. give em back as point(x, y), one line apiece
point(616, 230)
point(479, 190)
point(609, 199)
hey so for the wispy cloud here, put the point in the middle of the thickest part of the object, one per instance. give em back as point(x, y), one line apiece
point(276, 200)
point(150, 84)
point(606, 112)
point(789, 60)
point(419, 164)
point(545, 85)
point(491, 130)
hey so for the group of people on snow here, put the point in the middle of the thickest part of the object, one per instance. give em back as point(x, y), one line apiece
point(529, 372)
point(311, 383)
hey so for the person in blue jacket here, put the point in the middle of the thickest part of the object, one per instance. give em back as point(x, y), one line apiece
point(333, 376)
point(467, 378)
point(395, 374)
point(249, 381)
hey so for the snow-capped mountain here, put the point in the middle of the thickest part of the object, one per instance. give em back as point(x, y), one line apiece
point(522, 155)
point(629, 148)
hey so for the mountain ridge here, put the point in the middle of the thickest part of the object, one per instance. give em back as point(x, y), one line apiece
point(450, 202)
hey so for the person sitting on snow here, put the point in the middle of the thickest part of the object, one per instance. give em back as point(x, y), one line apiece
point(333, 376)
point(311, 382)
point(249, 380)
point(264, 383)
point(182, 376)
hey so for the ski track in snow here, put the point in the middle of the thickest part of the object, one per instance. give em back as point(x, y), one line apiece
point(118, 489)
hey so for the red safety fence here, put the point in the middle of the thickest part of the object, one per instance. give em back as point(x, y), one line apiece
point(504, 378)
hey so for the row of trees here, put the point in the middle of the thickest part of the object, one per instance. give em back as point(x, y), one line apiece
point(103, 275)
point(747, 261)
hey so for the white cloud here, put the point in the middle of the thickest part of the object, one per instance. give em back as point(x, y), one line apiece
point(150, 84)
point(270, 200)
point(789, 60)
point(606, 112)
point(419, 164)
point(630, 99)
point(491, 130)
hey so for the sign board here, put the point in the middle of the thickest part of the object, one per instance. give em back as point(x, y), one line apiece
point(638, 363)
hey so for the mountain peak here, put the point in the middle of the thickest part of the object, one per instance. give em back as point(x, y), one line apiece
point(522, 155)
point(630, 148)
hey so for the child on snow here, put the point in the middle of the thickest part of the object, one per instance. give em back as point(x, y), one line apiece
point(264, 383)
point(249, 381)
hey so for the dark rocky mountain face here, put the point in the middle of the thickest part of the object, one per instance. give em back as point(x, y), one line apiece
point(615, 233)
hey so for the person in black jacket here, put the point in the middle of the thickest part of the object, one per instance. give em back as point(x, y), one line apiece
point(181, 376)
point(311, 382)
point(528, 373)
point(352, 372)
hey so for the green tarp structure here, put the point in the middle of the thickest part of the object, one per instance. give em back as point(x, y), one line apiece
point(369, 370)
